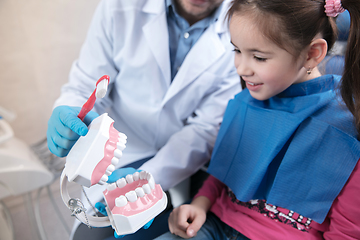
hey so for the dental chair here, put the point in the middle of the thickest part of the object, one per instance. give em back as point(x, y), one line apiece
point(20, 172)
point(334, 61)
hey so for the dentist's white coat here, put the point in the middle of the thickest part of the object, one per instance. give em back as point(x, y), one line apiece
point(177, 122)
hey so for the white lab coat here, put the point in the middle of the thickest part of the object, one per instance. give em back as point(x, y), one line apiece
point(175, 122)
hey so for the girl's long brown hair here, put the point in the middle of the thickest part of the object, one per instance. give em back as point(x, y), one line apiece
point(350, 83)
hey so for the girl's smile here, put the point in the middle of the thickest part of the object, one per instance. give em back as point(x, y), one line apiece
point(253, 87)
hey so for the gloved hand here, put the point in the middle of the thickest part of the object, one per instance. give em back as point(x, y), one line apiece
point(117, 174)
point(64, 128)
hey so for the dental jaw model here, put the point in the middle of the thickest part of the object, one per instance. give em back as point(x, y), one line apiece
point(131, 201)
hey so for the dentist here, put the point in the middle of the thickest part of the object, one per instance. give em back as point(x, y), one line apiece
point(171, 72)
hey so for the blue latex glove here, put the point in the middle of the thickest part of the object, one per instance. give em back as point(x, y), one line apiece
point(64, 128)
point(117, 174)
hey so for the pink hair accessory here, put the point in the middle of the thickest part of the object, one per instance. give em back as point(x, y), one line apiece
point(333, 8)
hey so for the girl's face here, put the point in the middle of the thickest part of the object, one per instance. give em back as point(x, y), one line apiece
point(267, 69)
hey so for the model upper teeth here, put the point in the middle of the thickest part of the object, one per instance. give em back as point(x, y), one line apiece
point(121, 141)
point(109, 169)
point(117, 153)
point(122, 136)
point(121, 145)
point(136, 191)
point(104, 178)
point(252, 84)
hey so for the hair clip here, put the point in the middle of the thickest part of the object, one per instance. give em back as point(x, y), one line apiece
point(333, 8)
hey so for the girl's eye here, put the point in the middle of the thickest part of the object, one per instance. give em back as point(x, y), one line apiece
point(260, 59)
point(236, 50)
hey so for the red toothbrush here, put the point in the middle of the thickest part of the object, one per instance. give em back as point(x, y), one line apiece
point(99, 92)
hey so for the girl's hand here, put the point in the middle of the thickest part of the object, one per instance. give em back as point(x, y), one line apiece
point(186, 220)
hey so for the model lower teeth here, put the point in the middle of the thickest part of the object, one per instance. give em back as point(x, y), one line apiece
point(134, 189)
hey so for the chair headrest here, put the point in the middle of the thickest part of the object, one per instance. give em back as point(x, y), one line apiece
point(343, 24)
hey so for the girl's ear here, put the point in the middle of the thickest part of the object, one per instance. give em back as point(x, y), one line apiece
point(316, 53)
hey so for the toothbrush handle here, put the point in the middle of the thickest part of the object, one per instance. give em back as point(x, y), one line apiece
point(87, 106)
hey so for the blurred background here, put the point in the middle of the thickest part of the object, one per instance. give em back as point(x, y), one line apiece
point(39, 40)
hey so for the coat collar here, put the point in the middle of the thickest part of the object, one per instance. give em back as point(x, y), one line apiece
point(152, 7)
point(205, 52)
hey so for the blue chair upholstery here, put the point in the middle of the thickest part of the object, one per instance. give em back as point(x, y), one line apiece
point(334, 61)
point(343, 24)
point(333, 64)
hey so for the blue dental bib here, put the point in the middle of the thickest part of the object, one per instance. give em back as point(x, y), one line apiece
point(295, 150)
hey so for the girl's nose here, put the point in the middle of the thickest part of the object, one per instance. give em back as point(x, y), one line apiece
point(243, 69)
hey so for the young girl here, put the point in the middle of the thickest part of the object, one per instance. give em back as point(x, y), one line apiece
point(285, 163)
